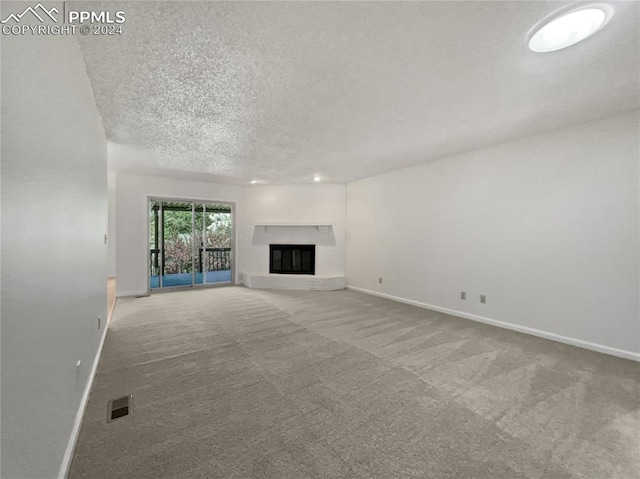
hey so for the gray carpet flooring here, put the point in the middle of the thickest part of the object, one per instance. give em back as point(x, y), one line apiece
point(239, 383)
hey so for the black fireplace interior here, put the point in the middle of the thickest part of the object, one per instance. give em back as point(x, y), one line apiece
point(292, 258)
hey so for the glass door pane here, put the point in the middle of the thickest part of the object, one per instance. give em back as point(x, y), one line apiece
point(218, 237)
point(154, 244)
point(200, 253)
point(177, 244)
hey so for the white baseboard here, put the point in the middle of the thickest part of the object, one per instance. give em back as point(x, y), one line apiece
point(75, 432)
point(122, 294)
point(621, 353)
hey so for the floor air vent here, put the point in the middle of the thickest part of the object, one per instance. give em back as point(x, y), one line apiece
point(120, 407)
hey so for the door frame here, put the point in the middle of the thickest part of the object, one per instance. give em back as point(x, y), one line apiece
point(234, 245)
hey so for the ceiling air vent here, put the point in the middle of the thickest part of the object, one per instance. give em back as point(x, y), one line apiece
point(120, 407)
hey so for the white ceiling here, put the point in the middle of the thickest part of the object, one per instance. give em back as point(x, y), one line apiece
point(281, 91)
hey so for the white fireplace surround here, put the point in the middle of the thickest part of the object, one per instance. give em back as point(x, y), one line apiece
point(323, 242)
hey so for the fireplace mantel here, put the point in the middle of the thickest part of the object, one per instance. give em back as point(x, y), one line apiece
point(322, 227)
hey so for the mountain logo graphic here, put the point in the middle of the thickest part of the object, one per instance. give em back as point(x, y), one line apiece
point(34, 10)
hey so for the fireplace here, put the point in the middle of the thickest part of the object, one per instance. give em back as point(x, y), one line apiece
point(292, 258)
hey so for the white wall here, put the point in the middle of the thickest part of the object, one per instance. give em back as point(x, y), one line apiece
point(546, 227)
point(111, 246)
point(294, 204)
point(132, 192)
point(54, 217)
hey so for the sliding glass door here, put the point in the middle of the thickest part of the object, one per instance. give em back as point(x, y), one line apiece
point(190, 243)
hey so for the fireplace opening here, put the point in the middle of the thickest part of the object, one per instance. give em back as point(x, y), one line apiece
point(292, 258)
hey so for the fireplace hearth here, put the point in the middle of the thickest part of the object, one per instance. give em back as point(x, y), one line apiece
point(292, 259)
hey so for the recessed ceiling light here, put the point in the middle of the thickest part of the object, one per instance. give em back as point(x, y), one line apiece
point(253, 182)
point(570, 28)
point(316, 178)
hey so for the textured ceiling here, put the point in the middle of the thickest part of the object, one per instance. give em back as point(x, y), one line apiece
point(279, 91)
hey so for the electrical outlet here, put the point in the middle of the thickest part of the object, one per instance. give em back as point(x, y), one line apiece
point(380, 280)
point(483, 299)
point(463, 295)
